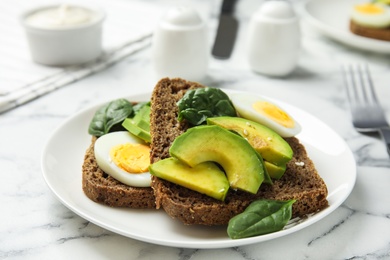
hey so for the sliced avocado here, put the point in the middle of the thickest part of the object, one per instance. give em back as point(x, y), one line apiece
point(142, 118)
point(233, 153)
point(271, 146)
point(275, 172)
point(267, 177)
point(206, 178)
point(143, 125)
point(129, 125)
point(383, 1)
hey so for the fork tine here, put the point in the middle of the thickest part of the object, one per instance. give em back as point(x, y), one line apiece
point(369, 91)
point(361, 76)
point(360, 87)
point(359, 84)
point(350, 84)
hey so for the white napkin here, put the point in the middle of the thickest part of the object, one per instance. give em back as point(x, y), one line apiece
point(69, 75)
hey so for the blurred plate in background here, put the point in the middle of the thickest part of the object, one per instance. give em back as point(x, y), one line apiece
point(331, 17)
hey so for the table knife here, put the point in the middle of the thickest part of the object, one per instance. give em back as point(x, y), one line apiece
point(226, 32)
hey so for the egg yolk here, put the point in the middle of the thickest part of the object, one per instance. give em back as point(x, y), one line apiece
point(369, 9)
point(274, 113)
point(133, 158)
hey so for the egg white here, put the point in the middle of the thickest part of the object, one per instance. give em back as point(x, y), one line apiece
point(374, 20)
point(243, 104)
point(102, 149)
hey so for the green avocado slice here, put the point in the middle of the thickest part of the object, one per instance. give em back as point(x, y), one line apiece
point(206, 178)
point(271, 146)
point(241, 163)
point(129, 125)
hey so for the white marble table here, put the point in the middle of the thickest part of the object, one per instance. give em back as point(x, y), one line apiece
point(35, 225)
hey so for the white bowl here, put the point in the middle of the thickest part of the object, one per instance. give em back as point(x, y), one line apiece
point(66, 45)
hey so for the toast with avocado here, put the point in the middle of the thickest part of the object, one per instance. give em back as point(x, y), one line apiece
point(300, 181)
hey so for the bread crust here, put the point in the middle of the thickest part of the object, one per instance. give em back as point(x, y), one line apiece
point(374, 33)
point(102, 188)
point(301, 180)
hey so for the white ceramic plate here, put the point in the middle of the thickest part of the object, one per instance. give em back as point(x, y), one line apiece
point(63, 156)
point(331, 17)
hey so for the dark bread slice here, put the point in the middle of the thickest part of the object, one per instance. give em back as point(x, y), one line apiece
point(301, 180)
point(163, 118)
point(102, 188)
point(374, 33)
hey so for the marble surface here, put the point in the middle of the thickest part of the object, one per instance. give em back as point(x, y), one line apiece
point(35, 225)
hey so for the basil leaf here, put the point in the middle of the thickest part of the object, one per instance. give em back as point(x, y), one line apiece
point(199, 104)
point(108, 116)
point(259, 218)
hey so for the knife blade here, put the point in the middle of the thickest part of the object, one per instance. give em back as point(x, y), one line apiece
point(226, 32)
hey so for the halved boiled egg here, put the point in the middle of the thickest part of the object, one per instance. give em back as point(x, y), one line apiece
point(374, 15)
point(267, 113)
point(124, 157)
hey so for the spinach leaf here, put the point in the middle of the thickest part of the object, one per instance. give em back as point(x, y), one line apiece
point(259, 218)
point(108, 116)
point(199, 104)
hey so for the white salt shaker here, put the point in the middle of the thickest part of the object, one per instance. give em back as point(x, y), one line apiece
point(274, 39)
point(180, 45)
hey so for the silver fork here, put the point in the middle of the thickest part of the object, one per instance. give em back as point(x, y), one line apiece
point(367, 113)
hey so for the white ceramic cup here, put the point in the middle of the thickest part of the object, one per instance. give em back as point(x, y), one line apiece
point(274, 39)
point(67, 45)
point(180, 45)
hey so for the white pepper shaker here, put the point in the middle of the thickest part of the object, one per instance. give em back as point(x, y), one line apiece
point(274, 39)
point(180, 45)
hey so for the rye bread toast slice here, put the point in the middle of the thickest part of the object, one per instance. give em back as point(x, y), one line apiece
point(301, 180)
point(102, 188)
point(374, 33)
